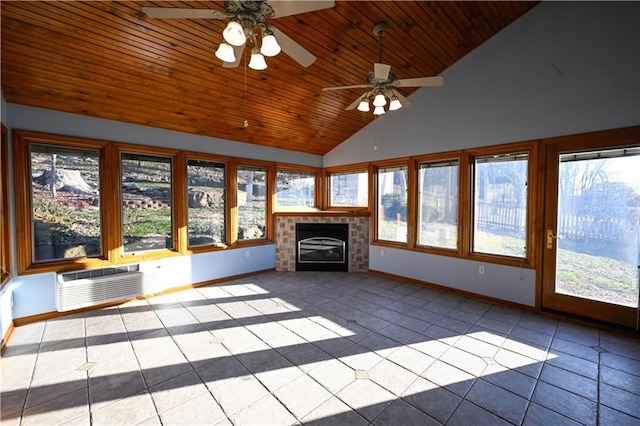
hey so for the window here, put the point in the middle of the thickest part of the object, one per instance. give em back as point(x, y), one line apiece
point(65, 202)
point(500, 204)
point(438, 204)
point(146, 202)
point(87, 204)
point(252, 202)
point(5, 230)
point(295, 188)
point(206, 202)
point(349, 189)
point(392, 204)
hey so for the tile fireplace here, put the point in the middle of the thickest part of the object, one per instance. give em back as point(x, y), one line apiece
point(324, 248)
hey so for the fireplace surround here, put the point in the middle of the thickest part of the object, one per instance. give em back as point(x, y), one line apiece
point(356, 250)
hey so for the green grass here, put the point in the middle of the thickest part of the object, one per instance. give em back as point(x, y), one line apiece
point(597, 278)
point(146, 222)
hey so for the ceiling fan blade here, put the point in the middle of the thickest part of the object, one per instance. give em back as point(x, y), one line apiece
point(237, 51)
point(381, 71)
point(355, 86)
point(294, 7)
point(293, 49)
point(406, 103)
point(188, 13)
point(421, 82)
point(357, 101)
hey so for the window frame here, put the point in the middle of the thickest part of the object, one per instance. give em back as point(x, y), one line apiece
point(6, 255)
point(176, 183)
point(438, 158)
point(269, 189)
point(111, 206)
point(23, 199)
point(411, 190)
point(182, 220)
point(532, 209)
point(318, 190)
point(349, 169)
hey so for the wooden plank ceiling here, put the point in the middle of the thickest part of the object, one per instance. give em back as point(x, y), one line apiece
point(107, 59)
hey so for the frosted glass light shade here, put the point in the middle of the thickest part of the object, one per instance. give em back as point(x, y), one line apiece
point(257, 62)
point(225, 53)
point(395, 104)
point(378, 110)
point(379, 100)
point(364, 106)
point(234, 34)
point(270, 46)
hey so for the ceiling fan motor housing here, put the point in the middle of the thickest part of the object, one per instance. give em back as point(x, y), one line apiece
point(257, 10)
point(371, 79)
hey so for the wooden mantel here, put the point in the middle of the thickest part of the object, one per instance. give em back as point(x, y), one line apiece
point(320, 213)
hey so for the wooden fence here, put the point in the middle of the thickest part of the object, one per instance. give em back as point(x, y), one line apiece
point(510, 219)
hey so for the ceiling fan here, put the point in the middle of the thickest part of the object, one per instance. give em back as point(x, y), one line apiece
point(246, 19)
point(382, 83)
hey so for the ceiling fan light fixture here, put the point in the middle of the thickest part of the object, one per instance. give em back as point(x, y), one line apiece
point(364, 106)
point(225, 53)
point(257, 61)
point(395, 104)
point(379, 100)
point(234, 34)
point(379, 110)
point(270, 46)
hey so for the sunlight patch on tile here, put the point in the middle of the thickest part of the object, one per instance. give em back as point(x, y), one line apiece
point(361, 374)
point(86, 366)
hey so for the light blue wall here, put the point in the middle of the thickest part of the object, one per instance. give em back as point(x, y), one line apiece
point(36, 294)
point(499, 281)
point(29, 295)
point(49, 121)
point(563, 68)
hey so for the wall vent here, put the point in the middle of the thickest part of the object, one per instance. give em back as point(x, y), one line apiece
point(81, 289)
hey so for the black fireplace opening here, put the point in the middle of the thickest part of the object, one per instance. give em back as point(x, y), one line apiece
point(322, 247)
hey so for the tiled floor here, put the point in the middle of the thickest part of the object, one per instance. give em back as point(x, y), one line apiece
point(317, 348)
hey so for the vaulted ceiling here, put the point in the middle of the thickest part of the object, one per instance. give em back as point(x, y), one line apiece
point(107, 59)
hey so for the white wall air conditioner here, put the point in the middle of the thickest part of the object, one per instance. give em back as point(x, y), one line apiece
point(81, 289)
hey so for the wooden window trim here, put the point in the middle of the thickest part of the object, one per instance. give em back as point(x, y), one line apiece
point(400, 162)
point(114, 217)
point(435, 158)
point(353, 168)
point(182, 216)
point(270, 182)
point(6, 266)
point(22, 179)
point(317, 172)
point(465, 201)
point(533, 211)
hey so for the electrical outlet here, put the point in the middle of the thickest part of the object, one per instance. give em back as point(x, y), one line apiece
point(481, 269)
point(381, 253)
point(247, 254)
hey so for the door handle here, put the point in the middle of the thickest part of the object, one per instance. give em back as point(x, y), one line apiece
point(550, 238)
